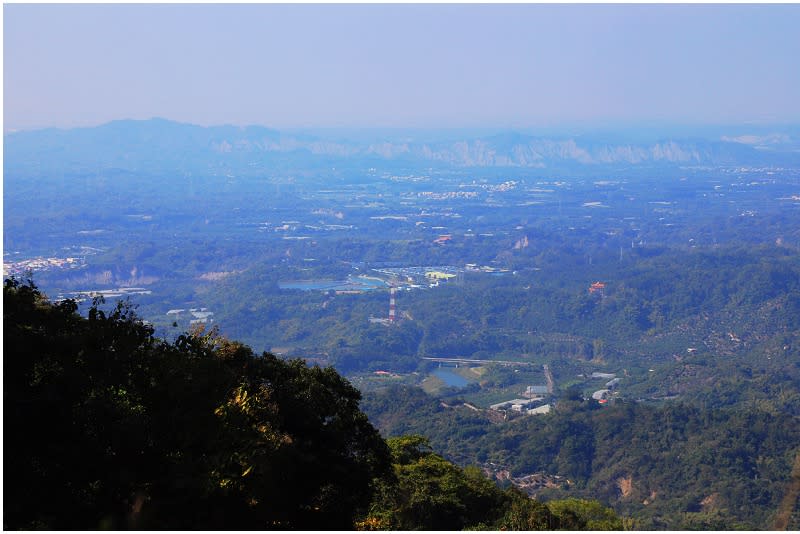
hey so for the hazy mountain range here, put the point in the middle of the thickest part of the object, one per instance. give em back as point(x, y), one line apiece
point(159, 143)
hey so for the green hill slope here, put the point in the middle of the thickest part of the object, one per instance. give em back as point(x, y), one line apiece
point(109, 427)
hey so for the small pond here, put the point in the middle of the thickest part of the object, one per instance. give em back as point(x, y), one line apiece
point(450, 378)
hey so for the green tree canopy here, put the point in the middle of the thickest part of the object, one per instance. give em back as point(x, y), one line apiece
point(109, 427)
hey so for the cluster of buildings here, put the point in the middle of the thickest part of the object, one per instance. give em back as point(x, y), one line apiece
point(82, 296)
point(418, 277)
point(529, 405)
point(603, 395)
point(40, 264)
point(200, 315)
point(447, 195)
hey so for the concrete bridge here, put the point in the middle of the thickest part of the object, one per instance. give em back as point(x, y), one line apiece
point(470, 360)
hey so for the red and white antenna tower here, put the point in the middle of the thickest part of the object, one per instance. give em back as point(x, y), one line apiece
point(391, 304)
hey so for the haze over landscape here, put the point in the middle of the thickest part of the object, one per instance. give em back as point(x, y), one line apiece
point(400, 65)
point(401, 267)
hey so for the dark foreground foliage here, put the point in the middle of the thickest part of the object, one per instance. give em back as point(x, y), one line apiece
point(109, 427)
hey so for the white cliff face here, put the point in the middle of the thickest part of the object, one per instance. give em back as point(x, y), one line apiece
point(126, 144)
point(479, 153)
point(540, 152)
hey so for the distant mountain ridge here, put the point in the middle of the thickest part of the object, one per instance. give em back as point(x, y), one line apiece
point(138, 144)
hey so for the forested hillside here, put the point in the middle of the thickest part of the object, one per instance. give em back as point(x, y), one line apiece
point(109, 427)
point(671, 466)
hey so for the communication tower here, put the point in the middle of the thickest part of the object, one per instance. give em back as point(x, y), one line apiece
point(392, 292)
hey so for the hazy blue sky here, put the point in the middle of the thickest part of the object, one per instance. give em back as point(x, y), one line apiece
point(400, 65)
